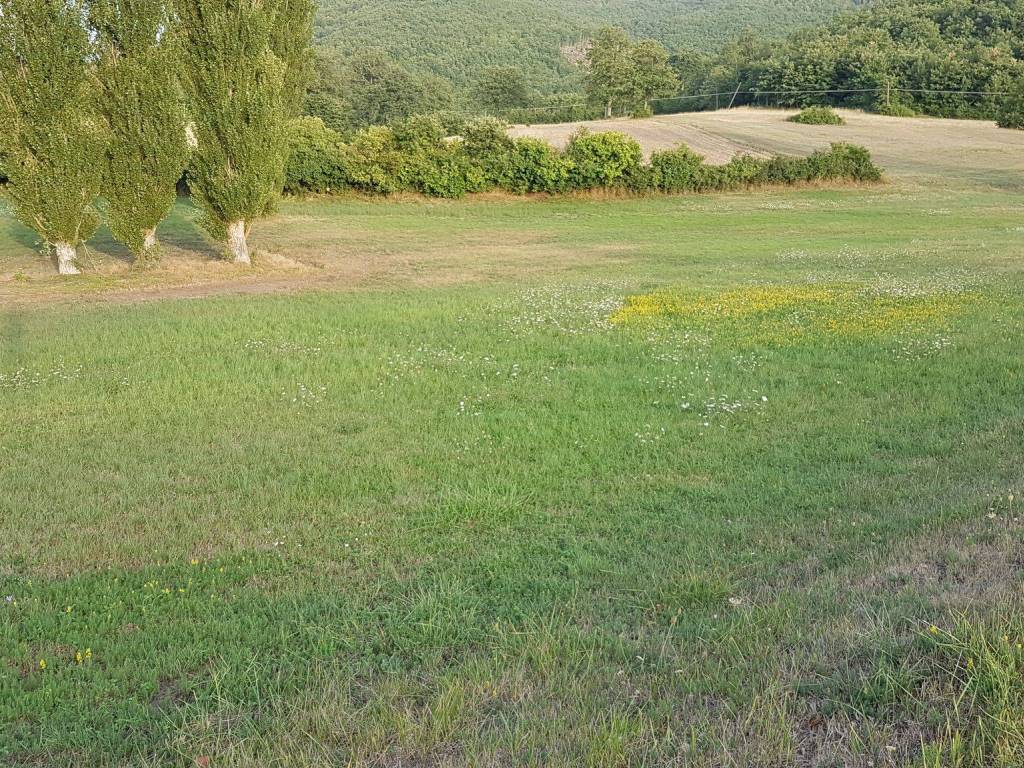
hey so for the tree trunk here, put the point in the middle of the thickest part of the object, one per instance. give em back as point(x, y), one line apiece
point(237, 246)
point(65, 258)
point(608, 109)
point(149, 245)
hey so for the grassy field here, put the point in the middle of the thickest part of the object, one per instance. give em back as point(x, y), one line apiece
point(714, 481)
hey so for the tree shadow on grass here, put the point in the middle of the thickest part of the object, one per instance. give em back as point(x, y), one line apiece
point(182, 230)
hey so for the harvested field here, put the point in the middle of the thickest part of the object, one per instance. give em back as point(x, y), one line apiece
point(925, 148)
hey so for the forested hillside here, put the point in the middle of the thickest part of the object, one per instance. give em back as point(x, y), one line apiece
point(457, 39)
point(908, 55)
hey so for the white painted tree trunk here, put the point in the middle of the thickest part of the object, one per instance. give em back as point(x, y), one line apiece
point(237, 246)
point(66, 258)
point(149, 246)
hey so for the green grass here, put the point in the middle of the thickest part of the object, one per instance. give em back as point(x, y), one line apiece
point(461, 509)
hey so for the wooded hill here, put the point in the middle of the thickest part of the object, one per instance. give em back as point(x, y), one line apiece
point(457, 39)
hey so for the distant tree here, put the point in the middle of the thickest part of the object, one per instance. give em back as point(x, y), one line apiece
point(740, 65)
point(502, 89)
point(610, 75)
point(691, 68)
point(626, 74)
point(327, 96)
point(382, 92)
point(240, 64)
point(654, 77)
point(144, 110)
point(51, 136)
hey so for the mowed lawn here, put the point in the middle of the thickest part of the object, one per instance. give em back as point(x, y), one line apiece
point(724, 480)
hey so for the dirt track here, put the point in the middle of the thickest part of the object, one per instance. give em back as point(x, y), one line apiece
point(969, 150)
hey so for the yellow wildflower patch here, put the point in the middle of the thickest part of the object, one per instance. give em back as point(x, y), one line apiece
point(787, 312)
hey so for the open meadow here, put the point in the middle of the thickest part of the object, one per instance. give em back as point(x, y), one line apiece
point(709, 480)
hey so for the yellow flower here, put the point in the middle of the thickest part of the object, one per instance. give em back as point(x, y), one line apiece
point(88, 653)
point(68, 609)
point(42, 663)
point(970, 663)
point(933, 629)
point(194, 561)
point(78, 657)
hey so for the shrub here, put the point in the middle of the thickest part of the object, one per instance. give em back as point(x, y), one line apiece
point(535, 166)
point(895, 109)
point(818, 116)
point(603, 160)
point(677, 170)
point(433, 164)
point(843, 161)
point(444, 170)
point(316, 159)
point(489, 148)
point(376, 163)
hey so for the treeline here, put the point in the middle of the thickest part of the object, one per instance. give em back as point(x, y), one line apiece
point(100, 98)
point(906, 56)
point(946, 58)
point(953, 58)
point(417, 155)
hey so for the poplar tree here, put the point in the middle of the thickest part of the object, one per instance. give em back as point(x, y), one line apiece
point(51, 136)
point(144, 109)
point(245, 69)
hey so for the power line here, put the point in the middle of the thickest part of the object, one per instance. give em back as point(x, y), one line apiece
point(804, 92)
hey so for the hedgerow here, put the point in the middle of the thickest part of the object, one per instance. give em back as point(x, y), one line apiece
point(416, 156)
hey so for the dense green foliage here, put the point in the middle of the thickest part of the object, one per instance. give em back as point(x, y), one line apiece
point(371, 88)
point(50, 131)
point(817, 116)
point(144, 109)
point(1011, 111)
point(415, 156)
point(459, 39)
point(603, 160)
point(905, 52)
point(623, 75)
point(501, 89)
point(241, 58)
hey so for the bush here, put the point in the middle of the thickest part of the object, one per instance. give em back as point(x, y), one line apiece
point(433, 164)
point(316, 158)
point(535, 166)
point(895, 110)
point(843, 162)
point(677, 170)
point(489, 148)
point(818, 116)
point(376, 163)
point(603, 160)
